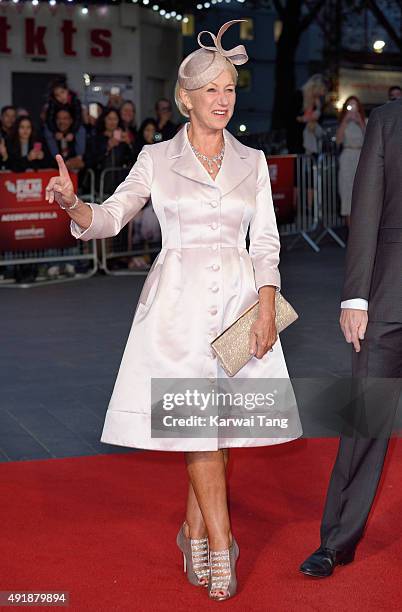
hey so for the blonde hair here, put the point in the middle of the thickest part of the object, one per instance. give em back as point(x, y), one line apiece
point(310, 88)
point(180, 104)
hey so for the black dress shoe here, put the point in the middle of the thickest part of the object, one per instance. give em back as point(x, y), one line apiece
point(324, 560)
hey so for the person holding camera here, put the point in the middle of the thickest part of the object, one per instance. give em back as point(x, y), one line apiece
point(350, 135)
point(164, 113)
point(23, 149)
point(147, 134)
point(109, 148)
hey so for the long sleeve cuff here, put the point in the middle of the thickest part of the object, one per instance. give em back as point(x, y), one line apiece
point(264, 276)
point(358, 303)
point(92, 231)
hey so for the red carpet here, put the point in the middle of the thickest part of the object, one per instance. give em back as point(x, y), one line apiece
point(104, 529)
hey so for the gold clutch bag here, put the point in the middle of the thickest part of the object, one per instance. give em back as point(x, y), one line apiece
point(232, 345)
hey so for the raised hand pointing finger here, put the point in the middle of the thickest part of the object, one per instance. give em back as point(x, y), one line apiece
point(60, 188)
point(62, 167)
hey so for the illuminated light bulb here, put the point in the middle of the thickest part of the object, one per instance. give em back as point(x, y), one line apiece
point(378, 45)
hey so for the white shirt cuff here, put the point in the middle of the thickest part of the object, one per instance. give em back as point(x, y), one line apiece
point(358, 303)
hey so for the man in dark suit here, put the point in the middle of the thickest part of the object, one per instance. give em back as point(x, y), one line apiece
point(371, 319)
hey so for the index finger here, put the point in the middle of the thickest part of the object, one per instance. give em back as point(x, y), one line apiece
point(355, 340)
point(252, 343)
point(62, 166)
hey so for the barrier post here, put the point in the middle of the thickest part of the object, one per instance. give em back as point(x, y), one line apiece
point(120, 246)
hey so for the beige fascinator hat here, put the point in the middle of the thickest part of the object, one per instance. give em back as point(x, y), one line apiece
point(205, 64)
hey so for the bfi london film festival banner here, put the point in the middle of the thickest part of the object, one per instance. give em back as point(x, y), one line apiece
point(27, 220)
point(283, 184)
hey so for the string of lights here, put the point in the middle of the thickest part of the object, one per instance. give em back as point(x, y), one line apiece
point(168, 9)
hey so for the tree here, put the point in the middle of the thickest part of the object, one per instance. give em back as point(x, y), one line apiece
point(296, 16)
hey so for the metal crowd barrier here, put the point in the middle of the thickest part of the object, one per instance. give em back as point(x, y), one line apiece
point(316, 214)
point(84, 251)
point(316, 202)
point(306, 203)
point(330, 219)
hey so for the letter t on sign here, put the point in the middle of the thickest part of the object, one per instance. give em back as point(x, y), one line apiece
point(68, 30)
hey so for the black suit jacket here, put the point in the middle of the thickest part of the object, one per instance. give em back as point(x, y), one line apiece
point(374, 254)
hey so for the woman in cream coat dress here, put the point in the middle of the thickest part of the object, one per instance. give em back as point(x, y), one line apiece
point(201, 281)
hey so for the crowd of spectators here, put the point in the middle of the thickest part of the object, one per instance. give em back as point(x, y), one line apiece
point(95, 136)
point(106, 137)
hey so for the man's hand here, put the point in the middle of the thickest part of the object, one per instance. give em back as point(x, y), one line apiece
point(353, 324)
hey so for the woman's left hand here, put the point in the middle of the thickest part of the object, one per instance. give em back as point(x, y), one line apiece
point(263, 334)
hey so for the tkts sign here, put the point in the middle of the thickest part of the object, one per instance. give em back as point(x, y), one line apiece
point(35, 39)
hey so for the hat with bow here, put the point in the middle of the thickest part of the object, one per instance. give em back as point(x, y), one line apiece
point(205, 64)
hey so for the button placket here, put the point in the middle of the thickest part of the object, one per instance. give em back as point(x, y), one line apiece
point(213, 306)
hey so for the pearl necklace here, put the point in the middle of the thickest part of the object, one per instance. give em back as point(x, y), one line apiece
point(216, 159)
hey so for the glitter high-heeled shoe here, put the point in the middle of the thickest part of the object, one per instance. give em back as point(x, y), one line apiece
point(195, 557)
point(222, 572)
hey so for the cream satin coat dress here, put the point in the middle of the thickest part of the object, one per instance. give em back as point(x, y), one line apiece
point(201, 281)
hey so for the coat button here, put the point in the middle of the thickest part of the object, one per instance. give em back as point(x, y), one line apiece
point(215, 288)
point(214, 225)
point(216, 267)
point(213, 310)
point(214, 203)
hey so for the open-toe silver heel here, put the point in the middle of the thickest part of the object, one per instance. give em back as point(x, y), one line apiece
point(222, 572)
point(195, 558)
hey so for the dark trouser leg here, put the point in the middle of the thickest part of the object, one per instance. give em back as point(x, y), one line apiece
point(362, 451)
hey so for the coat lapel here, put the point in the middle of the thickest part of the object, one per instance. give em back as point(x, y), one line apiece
point(234, 168)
